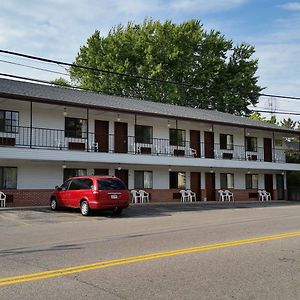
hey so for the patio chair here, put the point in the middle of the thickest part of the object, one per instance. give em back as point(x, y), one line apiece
point(2, 199)
point(267, 195)
point(136, 197)
point(261, 195)
point(191, 195)
point(229, 195)
point(144, 196)
point(184, 196)
point(222, 195)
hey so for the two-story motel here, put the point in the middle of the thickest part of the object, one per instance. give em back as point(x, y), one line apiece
point(49, 133)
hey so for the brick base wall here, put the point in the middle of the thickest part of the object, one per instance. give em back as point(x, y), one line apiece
point(18, 198)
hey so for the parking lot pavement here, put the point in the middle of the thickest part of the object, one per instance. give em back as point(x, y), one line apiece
point(39, 240)
point(11, 217)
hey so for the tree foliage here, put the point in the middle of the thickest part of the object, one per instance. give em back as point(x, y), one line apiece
point(223, 75)
point(61, 82)
point(288, 123)
point(258, 117)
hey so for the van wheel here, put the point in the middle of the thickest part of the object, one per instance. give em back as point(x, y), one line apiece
point(84, 207)
point(117, 211)
point(53, 204)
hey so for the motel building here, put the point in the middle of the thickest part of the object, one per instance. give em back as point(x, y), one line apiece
point(49, 133)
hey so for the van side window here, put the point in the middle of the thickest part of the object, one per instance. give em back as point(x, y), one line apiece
point(81, 184)
point(65, 185)
point(111, 184)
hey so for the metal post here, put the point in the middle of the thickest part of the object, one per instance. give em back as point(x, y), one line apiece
point(273, 144)
point(30, 125)
point(87, 129)
point(245, 152)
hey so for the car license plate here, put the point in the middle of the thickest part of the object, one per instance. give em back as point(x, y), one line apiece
point(113, 196)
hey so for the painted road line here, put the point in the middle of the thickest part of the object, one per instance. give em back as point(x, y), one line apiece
point(134, 259)
point(8, 217)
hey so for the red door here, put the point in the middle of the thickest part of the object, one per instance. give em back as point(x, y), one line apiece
point(62, 193)
point(196, 184)
point(195, 141)
point(269, 184)
point(267, 149)
point(100, 172)
point(209, 144)
point(210, 186)
point(101, 135)
point(123, 175)
point(121, 137)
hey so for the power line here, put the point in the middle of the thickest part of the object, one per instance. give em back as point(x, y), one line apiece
point(280, 96)
point(123, 74)
point(278, 112)
point(80, 88)
point(94, 69)
point(32, 67)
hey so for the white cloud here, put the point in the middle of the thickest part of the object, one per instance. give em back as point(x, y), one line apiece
point(294, 6)
point(206, 6)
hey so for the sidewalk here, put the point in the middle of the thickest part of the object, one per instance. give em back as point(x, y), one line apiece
point(189, 205)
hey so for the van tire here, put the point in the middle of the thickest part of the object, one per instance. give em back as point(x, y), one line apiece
point(117, 211)
point(53, 204)
point(84, 208)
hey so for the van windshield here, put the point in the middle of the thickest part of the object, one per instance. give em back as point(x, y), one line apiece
point(111, 184)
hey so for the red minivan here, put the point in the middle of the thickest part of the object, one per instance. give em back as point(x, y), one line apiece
point(91, 192)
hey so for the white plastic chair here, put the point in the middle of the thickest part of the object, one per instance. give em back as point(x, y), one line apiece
point(184, 196)
point(222, 195)
point(261, 195)
point(267, 195)
point(136, 197)
point(2, 199)
point(144, 196)
point(191, 195)
point(229, 195)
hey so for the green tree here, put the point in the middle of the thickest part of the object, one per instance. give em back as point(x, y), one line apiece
point(258, 117)
point(288, 123)
point(61, 82)
point(223, 76)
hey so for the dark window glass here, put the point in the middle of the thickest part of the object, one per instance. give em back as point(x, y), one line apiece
point(73, 173)
point(143, 180)
point(143, 134)
point(111, 184)
point(75, 128)
point(177, 180)
point(177, 137)
point(251, 181)
point(226, 180)
point(173, 180)
point(223, 181)
point(9, 121)
point(226, 141)
point(81, 184)
point(251, 144)
point(8, 178)
point(65, 185)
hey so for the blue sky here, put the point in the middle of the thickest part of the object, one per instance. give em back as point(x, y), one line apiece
point(56, 29)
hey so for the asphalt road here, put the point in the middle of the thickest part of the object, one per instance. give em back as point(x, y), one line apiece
point(152, 252)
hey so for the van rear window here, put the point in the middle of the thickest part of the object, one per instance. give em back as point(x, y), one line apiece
point(111, 184)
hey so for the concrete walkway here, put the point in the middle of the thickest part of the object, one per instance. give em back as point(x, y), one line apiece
point(177, 206)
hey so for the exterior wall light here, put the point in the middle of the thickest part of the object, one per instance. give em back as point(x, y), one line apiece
point(119, 167)
point(118, 118)
point(65, 113)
